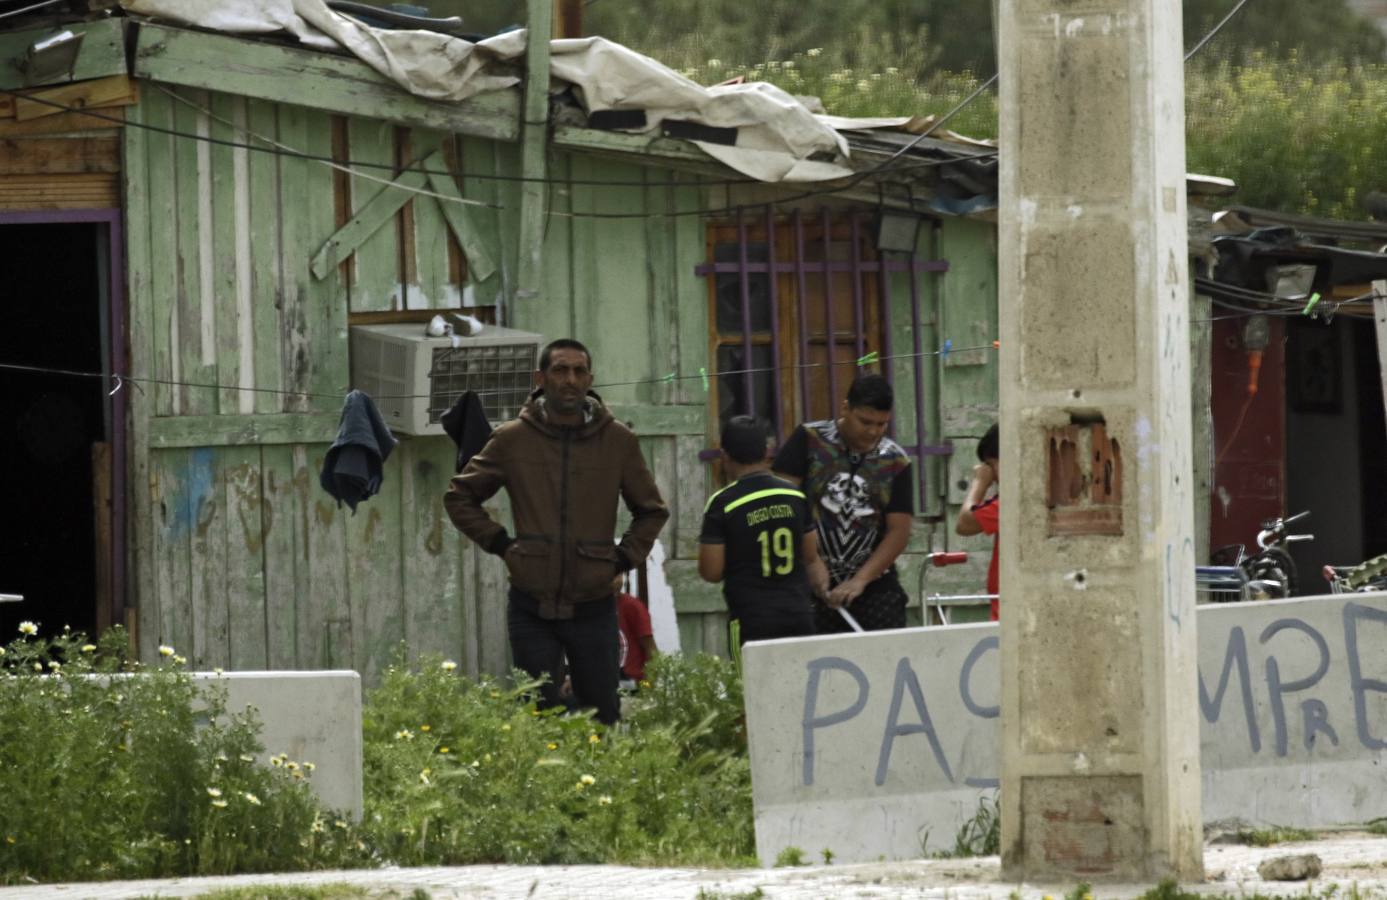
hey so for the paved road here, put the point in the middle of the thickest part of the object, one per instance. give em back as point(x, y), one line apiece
point(1355, 861)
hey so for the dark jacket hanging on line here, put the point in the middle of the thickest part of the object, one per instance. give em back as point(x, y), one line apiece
point(352, 470)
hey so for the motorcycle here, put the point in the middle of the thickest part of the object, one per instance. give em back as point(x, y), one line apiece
point(1268, 574)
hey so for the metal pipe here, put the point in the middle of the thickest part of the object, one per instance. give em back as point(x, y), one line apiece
point(803, 318)
point(917, 346)
point(855, 256)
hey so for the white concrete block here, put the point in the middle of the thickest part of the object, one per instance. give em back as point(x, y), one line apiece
point(883, 744)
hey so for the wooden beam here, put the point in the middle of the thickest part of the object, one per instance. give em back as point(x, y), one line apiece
point(168, 432)
point(314, 79)
point(102, 52)
point(534, 149)
point(475, 227)
point(88, 191)
point(1380, 326)
point(65, 123)
point(50, 155)
point(377, 211)
point(98, 93)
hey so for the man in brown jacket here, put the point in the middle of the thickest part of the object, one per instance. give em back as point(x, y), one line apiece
point(564, 462)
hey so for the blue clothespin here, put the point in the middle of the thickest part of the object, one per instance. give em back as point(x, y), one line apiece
point(944, 350)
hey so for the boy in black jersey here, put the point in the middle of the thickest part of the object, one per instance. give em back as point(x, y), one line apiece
point(759, 539)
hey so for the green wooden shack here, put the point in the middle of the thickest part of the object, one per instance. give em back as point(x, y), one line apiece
point(218, 212)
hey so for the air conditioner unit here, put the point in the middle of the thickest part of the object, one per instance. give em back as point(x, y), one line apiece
point(415, 378)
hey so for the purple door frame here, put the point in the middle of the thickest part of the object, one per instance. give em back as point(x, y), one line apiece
point(116, 326)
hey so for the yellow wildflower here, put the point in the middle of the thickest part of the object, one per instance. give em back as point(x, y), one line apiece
point(246, 757)
point(425, 727)
point(449, 665)
point(645, 685)
point(252, 799)
point(442, 749)
point(318, 826)
point(308, 766)
point(594, 739)
point(179, 660)
point(38, 667)
point(553, 746)
point(588, 780)
point(214, 792)
point(28, 629)
point(219, 804)
point(505, 726)
point(165, 650)
point(276, 762)
point(291, 766)
point(88, 648)
point(604, 800)
point(9, 839)
point(54, 665)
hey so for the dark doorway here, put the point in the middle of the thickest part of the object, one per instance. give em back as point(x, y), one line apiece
point(1336, 444)
point(51, 315)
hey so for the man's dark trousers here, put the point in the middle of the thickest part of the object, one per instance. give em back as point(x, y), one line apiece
point(589, 640)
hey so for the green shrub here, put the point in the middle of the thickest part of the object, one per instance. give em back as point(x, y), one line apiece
point(460, 771)
point(127, 775)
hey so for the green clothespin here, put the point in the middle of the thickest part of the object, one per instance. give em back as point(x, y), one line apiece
point(868, 359)
point(704, 372)
point(668, 379)
point(1314, 299)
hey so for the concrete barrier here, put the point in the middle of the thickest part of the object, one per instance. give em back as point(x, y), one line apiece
point(883, 745)
point(312, 716)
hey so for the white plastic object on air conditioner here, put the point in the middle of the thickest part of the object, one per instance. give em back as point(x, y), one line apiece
point(414, 378)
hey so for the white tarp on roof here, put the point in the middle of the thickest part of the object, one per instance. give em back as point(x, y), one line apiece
point(778, 138)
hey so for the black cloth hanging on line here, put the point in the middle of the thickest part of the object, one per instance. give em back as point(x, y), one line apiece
point(466, 424)
point(352, 470)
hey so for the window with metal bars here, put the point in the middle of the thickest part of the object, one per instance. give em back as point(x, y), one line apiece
point(795, 302)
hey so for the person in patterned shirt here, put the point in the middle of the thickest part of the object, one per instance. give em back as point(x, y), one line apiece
point(859, 483)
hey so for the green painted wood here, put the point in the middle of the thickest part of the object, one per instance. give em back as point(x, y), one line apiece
point(556, 317)
point(192, 182)
point(156, 110)
point(534, 148)
point(324, 606)
point(663, 310)
point(283, 525)
point(374, 576)
point(226, 186)
point(376, 263)
point(479, 156)
point(715, 634)
point(432, 287)
point(299, 181)
point(618, 267)
point(206, 550)
point(584, 264)
point(591, 139)
point(381, 209)
point(490, 601)
point(266, 270)
point(102, 52)
point(172, 618)
point(691, 593)
point(430, 548)
point(469, 659)
point(507, 163)
point(220, 431)
point(660, 457)
point(324, 300)
point(245, 557)
point(312, 78)
point(142, 534)
point(691, 495)
point(690, 634)
point(691, 295)
point(473, 226)
point(649, 418)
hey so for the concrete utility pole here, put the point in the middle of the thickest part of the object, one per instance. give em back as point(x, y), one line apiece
point(1100, 727)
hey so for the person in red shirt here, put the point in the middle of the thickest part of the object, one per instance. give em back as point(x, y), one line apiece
point(636, 634)
point(979, 514)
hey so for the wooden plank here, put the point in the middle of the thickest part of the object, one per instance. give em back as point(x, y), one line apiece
point(298, 233)
point(56, 155)
point(650, 418)
point(311, 78)
point(469, 615)
point(99, 93)
point(244, 579)
point(324, 301)
point(691, 494)
point(282, 518)
point(142, 595)
point(380, 210)
point(157, 110)
point(266, 252)
point(431, 234)
point(220, 431)
point(376, 262)
point(663, 281)
point(170, 487)
point(374, 576)
point(574, 138)
point(101, 532)
point(97, 122)
point(493, 585)
point(102, 52)
point(715, 635)
point(229, 228)
point(430, 548)
point(98, 191)
point(207, 550)
point(192, 177)
point(473, 226)
point(691, 298)
point(324, 605)
point(534, 159)
point(665, 468)
point(691, 593)
point(479, 156)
